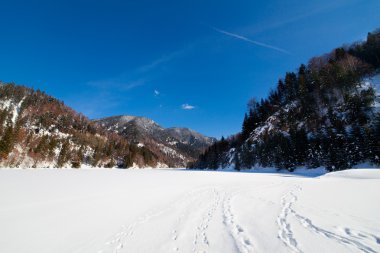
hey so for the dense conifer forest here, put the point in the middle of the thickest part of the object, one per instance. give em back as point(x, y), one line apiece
point(323, 114)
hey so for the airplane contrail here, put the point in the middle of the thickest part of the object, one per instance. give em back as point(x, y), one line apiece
point(237, 36)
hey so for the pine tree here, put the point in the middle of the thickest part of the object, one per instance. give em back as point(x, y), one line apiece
point(314, 152)
point(63, 156)
point(300, 144)
point(236, 159)
point(214, 157)
point(356, 145)
point(246, 156)
point(42, 145)
point(335, 154)
point(127, 161)
point(373, 140)
point(78, 158)
point(245, 128)
point(291, 85)
point(7, 142)
point(3, 117)
point(224, 146)
point(302, 82)
point(340, 53)
point(282, 92)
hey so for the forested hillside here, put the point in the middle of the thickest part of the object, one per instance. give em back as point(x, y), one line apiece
point(324, 114)
point(37, 130)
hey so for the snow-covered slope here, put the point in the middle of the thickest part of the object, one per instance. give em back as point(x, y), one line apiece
point(188, 211)
point(273, 123)
point(330, 126)
point(37, 130)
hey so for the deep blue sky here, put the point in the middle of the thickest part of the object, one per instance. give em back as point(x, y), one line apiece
point(182, 63)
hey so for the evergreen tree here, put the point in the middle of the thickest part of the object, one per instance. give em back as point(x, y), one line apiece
point(236, 160)
point(372, 138)
point(63, 155)
point(42, 145)
point(356, 145)
point(246, 156)
point(7, 141)
point(314, 152)
point(245, 128)
point(302, 82)
point(291, 85)
point(127, 161)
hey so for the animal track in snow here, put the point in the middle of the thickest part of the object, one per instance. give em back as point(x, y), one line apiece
point(285, 233)
point(349, 240)
point(120, 240)
point(242, 241)
point(350, 237)
point(201, 239)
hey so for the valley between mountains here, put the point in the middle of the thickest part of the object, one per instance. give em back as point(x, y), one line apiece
point(119, 211)
point(190, 126)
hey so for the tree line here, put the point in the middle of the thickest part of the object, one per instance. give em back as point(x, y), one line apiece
point(320, 115)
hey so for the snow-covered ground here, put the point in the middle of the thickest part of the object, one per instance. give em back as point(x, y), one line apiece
point(188, 211)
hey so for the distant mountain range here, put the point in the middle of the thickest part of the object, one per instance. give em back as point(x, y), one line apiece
point(174, 146)
point(37, 130)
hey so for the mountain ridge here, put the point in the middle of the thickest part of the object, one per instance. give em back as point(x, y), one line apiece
point(38, 130)
point(176, 145)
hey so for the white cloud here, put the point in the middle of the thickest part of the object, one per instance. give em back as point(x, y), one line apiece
point(156, 93)
point(187, 107)
point(257, 43)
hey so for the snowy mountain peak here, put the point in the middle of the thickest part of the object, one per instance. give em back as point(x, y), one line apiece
point(175, 146)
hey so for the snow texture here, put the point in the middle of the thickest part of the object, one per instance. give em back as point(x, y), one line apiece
point(102, 210)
